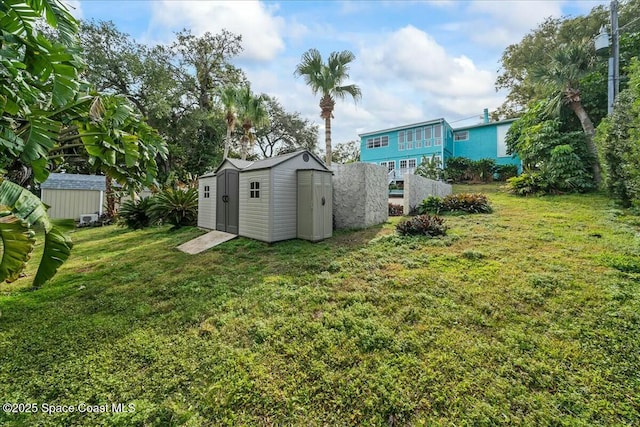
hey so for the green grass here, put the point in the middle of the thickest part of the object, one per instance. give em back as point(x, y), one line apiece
point(527, 316)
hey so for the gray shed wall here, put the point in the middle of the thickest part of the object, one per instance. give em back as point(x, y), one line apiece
point(360, 195)
point(285, 197)
point(207, 206)
point(71, 203)
point(417, 188)
point(254, 218)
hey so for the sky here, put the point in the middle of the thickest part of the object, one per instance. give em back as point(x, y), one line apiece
point(415, 60)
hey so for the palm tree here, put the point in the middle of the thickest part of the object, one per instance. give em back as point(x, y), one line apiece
point(251, 112)
point(569, 63)
point(327, 79)
point(229, 99)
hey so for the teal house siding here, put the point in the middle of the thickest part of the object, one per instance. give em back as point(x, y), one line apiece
point(402, 148)
point(484, 141)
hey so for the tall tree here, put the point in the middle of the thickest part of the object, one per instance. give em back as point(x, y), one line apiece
point(347, 152)
point(560, 79)
point(327, 79)
point(284, 132)
point(251, 112)
point(229, 100)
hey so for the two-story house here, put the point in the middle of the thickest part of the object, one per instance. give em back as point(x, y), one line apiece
point(402, 148)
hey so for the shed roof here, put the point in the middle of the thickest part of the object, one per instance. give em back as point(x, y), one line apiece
point(71, 181)
point(245, 165)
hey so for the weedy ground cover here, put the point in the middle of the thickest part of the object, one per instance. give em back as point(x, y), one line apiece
point(529, 315)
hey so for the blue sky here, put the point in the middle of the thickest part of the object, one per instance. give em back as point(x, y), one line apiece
point(415, 60)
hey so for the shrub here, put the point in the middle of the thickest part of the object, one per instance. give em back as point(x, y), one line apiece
point(527, 184)
point(483, 169)
point(432, 205)
point(466, 202)
point(422, 225)
point(458, 169)
point(395, 210)
point(178, 207)
point(134, 214)
point(504, 172)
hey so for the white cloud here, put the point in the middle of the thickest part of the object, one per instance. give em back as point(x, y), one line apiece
point(260, 27)
point(500, 23)
point(424, 72)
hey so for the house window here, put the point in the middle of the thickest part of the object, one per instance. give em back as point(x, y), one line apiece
point(438, 161)
point(401, 140)
point(377, 142)
point(412, 163)
point(461, 136)
point(409, 144)
point(383, 164)
point(403, 164)
point(437, 135)
point(428, 135)
point(207, 191)
point(254, 189)
point(391, 165)
point(418, 142)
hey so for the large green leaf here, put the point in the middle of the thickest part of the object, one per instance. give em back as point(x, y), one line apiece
point(57, 248)
point(24, 204)
point(17, 244)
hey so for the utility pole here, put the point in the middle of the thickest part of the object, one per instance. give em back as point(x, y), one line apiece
point(615, 53)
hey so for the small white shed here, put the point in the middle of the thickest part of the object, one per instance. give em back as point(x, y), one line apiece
point(259, 199)
point(72, 195)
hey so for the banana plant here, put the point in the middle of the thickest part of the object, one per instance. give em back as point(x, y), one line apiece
point(21, 213)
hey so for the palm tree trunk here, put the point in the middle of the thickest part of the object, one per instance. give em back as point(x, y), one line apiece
point(227, 143)
point(327, 139)
point(589, 131)
point(326, 105)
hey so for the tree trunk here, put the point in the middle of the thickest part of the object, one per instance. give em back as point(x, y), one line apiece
point(327, 139)
point(589, 131)
point(327, 104)
point(227, 143)
point(110, 208)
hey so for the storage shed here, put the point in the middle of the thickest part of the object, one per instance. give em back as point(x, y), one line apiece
point(260, 199)
point(73, 195)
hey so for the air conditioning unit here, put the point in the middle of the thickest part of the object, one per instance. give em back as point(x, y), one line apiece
point(86, 219)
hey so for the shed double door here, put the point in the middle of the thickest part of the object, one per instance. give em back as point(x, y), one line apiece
point(227, 203)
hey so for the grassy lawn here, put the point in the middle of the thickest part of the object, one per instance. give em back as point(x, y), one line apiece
point(529, 316)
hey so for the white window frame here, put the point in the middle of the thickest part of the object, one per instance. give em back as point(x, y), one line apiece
point(207, 192)
point(415, 162)
point(437, 135)
point(462, 135)
point(401, 140)
point(403, 164)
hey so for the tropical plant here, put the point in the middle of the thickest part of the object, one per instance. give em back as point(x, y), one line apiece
point(528, 184)
point(466, 202)
point(395, 210)
point(618, 140)
point(47, 114)
point(483, 169)
point(429, 168)
point(20, 213)
point(134, 214)
point(327, 79)
point(251, 113)
point(229, 101)
point(422, 225)
point(458, 169)
point(178, 207)
point(430, 205)
point(504, 172)
point(560, 78)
